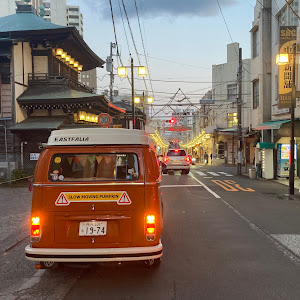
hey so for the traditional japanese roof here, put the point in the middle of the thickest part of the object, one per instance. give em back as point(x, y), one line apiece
point(40, 123)
point(27, 26)
point(61, 96)
point(98, 136)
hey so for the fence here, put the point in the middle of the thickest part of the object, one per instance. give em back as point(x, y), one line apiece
point(16, 165)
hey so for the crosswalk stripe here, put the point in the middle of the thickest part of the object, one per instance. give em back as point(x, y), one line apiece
point(213, 173)
point(200, 173)
point(226, 174)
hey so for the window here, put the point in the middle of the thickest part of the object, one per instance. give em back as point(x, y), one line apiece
point(255, 43)
point(255, 94)
point(232, 92)
point(176, 153)
point(232, 120)
point(93, 167)
point(83, 75)
point(87, 76)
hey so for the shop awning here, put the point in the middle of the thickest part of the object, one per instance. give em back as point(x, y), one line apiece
point(40, 123)
point(271, 125)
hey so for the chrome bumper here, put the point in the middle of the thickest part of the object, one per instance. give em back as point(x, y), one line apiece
point(94, 255)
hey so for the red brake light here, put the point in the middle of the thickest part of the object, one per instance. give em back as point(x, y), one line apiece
point(188, 159)
point(165, 159)
point(150, 226)
point(176, 150)
point(35, 227)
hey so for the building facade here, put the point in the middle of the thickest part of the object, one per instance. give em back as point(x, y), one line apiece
point(223, 112)
point(39, 87)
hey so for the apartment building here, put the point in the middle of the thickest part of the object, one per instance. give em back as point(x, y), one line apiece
point(223, 112)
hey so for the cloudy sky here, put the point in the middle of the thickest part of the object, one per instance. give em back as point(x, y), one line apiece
point(181, 39)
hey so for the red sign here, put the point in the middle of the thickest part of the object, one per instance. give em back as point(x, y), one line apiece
point(181, 128)
point(104, 120)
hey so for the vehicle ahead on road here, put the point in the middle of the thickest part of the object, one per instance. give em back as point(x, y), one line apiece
point(96, 199)
point(176, 159)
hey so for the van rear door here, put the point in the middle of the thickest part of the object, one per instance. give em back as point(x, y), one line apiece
point(96, 199)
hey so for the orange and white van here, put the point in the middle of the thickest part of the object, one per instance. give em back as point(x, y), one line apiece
point(96, 199)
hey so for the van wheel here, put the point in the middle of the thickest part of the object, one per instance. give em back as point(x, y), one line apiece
point(164, 171)
point(185, 172)
point(153, 263)
point(49, 265)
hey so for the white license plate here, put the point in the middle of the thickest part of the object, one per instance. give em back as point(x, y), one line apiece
point(92, 228)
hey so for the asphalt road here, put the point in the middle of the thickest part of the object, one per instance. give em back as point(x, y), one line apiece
point(225, 237)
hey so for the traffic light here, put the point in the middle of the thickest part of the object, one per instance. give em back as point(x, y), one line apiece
point(172, 121)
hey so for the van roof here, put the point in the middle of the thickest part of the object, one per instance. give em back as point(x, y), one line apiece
point(97, 136)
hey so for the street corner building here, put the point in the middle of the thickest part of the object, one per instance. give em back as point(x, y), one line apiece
point(39, 88)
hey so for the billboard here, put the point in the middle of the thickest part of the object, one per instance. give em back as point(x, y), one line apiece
point(285, 79)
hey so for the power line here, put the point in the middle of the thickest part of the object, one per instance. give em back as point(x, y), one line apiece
point(116, 40)
point(289, 5)
point(173, 62)
point(230, 34)
point(131, 33)
point(143, 44)
point(124, 28)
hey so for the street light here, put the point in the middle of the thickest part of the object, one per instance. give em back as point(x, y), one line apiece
point(283, 59)
point(122, 72)
point(138, 100)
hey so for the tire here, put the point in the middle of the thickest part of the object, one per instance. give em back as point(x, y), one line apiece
point(164, 171)
point(185, 172)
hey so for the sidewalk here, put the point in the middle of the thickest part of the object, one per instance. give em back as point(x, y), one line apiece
point(285, 181)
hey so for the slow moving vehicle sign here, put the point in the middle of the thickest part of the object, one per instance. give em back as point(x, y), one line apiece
point(65, 198)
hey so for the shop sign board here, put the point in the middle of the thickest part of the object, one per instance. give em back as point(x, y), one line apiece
point(285, 81)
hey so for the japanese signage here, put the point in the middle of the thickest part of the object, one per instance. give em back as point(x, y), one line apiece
point(285, 78)
point(34, 156)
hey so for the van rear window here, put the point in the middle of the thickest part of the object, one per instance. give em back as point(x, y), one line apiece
point(93, 167)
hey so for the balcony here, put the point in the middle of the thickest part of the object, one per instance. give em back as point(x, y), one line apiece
point(57, 79)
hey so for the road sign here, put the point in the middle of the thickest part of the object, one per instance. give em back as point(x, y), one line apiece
point(104, 120)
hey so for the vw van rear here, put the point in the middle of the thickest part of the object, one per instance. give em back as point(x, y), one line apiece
point(96, 198)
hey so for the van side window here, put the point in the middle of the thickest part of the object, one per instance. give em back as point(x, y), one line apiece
point(93, 167)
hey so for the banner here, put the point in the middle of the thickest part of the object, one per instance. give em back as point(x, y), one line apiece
point(285, 78)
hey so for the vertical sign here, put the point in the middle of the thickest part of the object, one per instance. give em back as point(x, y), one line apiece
point(285, 80)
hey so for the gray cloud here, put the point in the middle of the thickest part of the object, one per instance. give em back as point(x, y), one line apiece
point(159, 8)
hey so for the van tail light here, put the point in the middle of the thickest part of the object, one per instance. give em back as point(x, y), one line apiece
point(35, 231)
point(166, 159)
point(150, 228)
point(188, 159)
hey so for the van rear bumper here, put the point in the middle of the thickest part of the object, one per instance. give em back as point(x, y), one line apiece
point(94, 255)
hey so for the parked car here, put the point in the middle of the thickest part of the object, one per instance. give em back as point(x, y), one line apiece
point(176, 159)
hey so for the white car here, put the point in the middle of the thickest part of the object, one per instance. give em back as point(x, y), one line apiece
point(176, 159)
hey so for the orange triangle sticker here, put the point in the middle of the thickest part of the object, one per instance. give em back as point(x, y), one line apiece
point(62, 200)
point(124, 199)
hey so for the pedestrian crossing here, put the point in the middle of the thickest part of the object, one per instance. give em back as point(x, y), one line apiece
point(215, 174)
point(206, 174)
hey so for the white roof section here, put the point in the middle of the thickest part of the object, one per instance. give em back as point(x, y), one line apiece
point(97, 136)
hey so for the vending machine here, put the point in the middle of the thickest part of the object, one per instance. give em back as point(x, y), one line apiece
point(283, 160)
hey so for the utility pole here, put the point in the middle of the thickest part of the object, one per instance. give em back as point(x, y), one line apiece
point(111, 84)
point(239, 116)
point(132, 94)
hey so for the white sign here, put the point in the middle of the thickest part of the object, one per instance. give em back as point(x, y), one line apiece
point(34, 156)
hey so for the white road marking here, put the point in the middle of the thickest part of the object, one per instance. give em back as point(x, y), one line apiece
point(33, 280)
point(167, 186)
point(213, 173)
point(224, 173)
point(200, 173)
point(205, 186)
